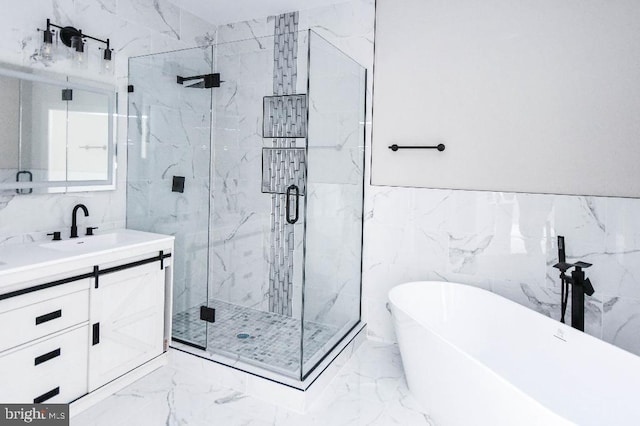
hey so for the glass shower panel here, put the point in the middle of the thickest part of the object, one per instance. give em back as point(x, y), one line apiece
point(254, 162)
point(256, 239)
point(334, 204)
point(169, 157)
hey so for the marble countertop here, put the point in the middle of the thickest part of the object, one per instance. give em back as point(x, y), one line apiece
point(24, 263)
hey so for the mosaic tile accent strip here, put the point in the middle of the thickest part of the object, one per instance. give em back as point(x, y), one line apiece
point(284, 116)
point(273, 340)
point(282, 167)
point(285, 54)
point(285, 75)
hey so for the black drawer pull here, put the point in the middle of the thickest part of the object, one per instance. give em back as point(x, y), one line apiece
point(46, 396)
point(96, 334)
point(48, 317)
point(46, 357)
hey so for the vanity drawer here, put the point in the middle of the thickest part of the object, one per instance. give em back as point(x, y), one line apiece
point(54, 369)
point(26, 323)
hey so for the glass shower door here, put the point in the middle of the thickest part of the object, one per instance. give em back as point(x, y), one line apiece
point(169, 152)
point(257, 220)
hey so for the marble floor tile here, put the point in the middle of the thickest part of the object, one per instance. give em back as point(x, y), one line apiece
point(369, 390)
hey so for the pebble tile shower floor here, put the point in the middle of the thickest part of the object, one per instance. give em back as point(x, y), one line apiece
point(273, 342)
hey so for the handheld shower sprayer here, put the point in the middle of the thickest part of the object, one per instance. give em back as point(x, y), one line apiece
point(564, 286)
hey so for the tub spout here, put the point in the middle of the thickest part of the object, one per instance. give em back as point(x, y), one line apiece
point(579, 286)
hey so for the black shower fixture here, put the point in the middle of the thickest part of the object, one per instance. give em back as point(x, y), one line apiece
point(206, 81)
point(577, 282)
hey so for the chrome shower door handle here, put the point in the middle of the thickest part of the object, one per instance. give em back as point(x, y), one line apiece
point(296, 194)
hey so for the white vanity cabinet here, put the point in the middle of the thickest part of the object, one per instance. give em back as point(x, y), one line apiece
point(80, 319)
point(127, 322)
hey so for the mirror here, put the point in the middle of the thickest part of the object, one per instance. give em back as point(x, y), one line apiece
point(57, 134)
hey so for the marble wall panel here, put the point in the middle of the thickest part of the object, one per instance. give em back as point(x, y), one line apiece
point(505, 243)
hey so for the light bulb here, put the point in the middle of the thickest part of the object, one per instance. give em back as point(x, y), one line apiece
point(46, 49)
point(107, 62)
point(80, 60)
point(79, 52)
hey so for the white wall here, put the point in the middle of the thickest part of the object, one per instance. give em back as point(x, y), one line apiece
point(135, 27)
point(538, 96)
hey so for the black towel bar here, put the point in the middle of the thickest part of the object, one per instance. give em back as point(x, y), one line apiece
point(395, 147)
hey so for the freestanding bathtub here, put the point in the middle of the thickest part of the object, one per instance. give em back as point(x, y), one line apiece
point(472, 357)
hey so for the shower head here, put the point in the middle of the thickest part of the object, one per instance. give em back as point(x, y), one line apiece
point(206, 81)
point(198, 85)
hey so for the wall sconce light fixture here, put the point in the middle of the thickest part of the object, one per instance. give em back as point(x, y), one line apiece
point(75, 40)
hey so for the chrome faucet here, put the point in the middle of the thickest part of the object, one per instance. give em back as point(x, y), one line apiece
point(74, 226)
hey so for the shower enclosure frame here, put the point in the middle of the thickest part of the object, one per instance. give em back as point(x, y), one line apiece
point(303, 373)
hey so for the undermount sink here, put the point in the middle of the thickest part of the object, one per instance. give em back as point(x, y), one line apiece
point(86, 243)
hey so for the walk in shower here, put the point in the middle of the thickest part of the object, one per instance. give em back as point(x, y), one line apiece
point(252, 154)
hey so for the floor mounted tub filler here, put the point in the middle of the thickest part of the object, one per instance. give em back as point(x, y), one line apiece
point(472, 357)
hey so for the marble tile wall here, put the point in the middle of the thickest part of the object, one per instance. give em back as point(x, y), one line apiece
point(135, 27)
point(506, 243)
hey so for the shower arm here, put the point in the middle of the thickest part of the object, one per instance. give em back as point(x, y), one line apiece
point(195, 77)
point(210, 80)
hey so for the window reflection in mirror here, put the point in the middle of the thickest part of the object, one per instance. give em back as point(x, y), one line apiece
point(87, 140)
point(10, 134)
point(55, 133)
